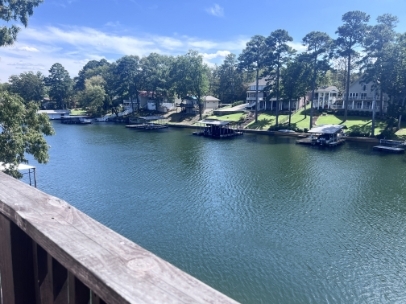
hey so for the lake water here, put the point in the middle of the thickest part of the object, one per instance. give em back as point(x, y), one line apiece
point(257, 217)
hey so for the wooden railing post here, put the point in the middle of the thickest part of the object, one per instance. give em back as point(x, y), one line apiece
point(79, 293)
point(16, 264)
point(6, 269)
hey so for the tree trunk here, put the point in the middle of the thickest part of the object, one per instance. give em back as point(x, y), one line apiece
point(347, 87)
point(400, 116)
point(381, 102)
point(138, 101)
point(373, 116)
point(313, 88)
point(290, 113)
point(257, 99)
point(277, 94)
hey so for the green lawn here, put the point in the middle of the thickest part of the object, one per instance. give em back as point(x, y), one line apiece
point(353, 123)
point(300, 120)
point(77, 112)
point(265, 121)
point(230, 117)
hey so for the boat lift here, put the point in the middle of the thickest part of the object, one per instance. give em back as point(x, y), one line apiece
point(24, 169)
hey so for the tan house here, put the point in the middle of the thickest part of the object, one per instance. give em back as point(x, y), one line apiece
point(210, 102)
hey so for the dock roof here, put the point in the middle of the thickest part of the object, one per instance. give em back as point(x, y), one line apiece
point(326, 129)
point(214, 122)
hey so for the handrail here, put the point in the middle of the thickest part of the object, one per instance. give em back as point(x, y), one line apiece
point(50, 252)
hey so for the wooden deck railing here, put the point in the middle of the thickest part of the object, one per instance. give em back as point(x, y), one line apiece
point(50, 252)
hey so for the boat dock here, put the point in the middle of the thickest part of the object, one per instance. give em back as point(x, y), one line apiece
point(217, 129)
point(392, 146)
point(325, 135)
point(76, 120)
point(147, 123)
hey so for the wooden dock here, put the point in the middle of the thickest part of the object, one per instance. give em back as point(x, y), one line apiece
point(391, 146)
point(50, 252)
point(311, 141)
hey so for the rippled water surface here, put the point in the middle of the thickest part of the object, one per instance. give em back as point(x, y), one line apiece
point(259, 218)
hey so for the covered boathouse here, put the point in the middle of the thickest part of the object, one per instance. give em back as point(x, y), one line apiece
point(324, 135)
point(217, 129)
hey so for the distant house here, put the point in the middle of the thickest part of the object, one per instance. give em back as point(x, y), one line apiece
point(325, 97)
point(148, 102)
point(210, 102)
point(55, 114)
point(189, 105)
point(265, 103)
point(252, 95)
point(361, 97)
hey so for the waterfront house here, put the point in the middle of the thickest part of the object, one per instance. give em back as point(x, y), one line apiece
point(252, 95)
point(265, 103)
point(325, 97)
point(361, 97)
point(189, 105)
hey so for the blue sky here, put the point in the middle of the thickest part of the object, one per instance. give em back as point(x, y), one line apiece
point(72, 32)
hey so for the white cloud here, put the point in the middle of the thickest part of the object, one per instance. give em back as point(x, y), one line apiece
point(216, 10)
point(28, 49)
point(39, 48)
point(297, 46)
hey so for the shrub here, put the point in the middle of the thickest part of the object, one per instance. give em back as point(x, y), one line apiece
point(237, 103)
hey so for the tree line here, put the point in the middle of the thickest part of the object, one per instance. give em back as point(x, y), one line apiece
point(374, 53)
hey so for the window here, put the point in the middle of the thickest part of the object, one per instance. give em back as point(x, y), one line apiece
point(365, 87)
point(363, 95)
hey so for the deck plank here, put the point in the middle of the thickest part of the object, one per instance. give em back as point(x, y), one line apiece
point(113, 267)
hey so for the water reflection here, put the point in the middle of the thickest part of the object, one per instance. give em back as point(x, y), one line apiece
point(258, 218)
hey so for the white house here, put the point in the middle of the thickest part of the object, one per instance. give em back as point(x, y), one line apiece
point(361, 98)
point(325, 97)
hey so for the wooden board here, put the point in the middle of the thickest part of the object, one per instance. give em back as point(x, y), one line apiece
point(113, 267)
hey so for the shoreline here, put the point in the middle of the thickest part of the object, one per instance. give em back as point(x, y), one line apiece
point(277, 133)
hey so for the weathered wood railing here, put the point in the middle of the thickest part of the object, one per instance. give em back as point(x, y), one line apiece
point(50, 252)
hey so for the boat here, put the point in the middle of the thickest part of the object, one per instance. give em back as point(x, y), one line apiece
point(147, 123)
point(391, 146)
point(324, 135)
point(217, 129)
point(76, 120)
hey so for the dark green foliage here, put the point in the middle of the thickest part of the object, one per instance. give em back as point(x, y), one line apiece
point(15, 10)
point(60, 85)
point(21, 132)
point(28, 85)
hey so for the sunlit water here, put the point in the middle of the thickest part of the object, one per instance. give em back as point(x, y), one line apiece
point(258, 218)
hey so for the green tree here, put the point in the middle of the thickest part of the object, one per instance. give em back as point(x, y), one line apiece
point(28, 85)
point(295, 80)
point(350, 36)
point(60, 85)
point(379, 38)
point(191, 77)
point(21, 132)
point(278, 54)
point(90, 69)
point(93, 96)
point(230, 80)
point(128, 81)
point(253, 58)
point(155, 72)
point(318, 46)
point(15, 10)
